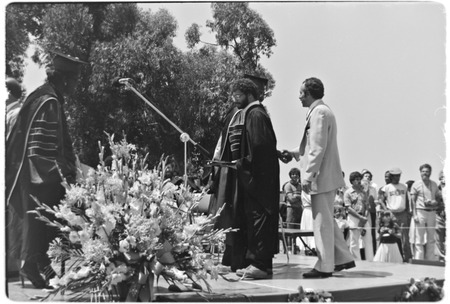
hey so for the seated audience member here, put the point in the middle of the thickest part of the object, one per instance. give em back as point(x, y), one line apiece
point(388, 250)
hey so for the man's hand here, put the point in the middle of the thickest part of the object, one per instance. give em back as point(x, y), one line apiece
point(431, 203)
point(285, 156)
point(306, 186)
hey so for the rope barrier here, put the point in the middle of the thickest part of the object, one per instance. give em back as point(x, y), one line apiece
point(370, 228)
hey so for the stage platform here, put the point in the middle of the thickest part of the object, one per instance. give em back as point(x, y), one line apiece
point(368, 282)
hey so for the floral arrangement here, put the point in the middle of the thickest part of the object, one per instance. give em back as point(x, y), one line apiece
point(310, 295)
point(120, 226)
point(426, 288)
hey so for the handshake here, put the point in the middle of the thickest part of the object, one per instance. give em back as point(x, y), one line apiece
point(285, 156)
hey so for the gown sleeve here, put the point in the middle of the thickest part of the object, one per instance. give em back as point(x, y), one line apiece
point(261, 161)
point(48, 151)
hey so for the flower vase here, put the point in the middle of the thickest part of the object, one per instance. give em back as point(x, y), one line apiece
point(121, 291)
point(141, 286)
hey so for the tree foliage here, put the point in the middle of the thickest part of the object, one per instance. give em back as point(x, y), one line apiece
point(120, 40)
point(242, 29)
point(20, 22)
point(192, 35)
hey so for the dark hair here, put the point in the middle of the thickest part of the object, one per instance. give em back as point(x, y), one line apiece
point(294, 170)
point(246, 86)
point(354, 175)
point(314, 87)
point(425, 166)
point(392, 219)
point(14, 87)
point(409, 184)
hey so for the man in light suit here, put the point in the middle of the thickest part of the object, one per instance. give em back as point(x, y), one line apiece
point(321, 176)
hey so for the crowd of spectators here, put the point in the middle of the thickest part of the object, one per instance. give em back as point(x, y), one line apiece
point(395, 222)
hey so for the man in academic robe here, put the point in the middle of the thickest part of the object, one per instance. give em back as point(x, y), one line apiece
point(250, 187)
point(39, 155)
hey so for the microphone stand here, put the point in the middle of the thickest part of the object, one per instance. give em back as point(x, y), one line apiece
point(184, 137)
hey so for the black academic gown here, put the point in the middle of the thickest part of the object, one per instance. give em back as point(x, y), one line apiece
point(251, 193)
point(32, 169)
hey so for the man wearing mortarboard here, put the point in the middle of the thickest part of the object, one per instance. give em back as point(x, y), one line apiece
point(251, 190)
point(38, 151)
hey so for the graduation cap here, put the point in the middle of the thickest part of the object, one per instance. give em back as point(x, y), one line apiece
point(66, 63)
point(260, 82)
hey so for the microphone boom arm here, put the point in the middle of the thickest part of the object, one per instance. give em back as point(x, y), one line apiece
point(129, 86)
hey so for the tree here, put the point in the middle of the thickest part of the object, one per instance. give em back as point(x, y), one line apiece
point(243, 30)
point(192, 35)
point(21, 21)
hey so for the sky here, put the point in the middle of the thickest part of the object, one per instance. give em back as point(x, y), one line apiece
point(383, 66)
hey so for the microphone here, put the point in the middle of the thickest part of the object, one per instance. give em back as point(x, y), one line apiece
point(117, 82)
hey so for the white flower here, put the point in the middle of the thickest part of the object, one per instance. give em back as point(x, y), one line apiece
point(102, 234)
point(146, 179)
point(124, 246)
point(136, 205)
point(109, 225)
point(74, 237)
point(131, 240)
point(122, 268)
point(190, 230)
point(65, 229)
point(55, 282)
point(117, 278)
point(83, 272)
point(84, 235)
point(153, 209)
point(135, 189)
point(100, 197)
point(178, 274)
point(202, 219)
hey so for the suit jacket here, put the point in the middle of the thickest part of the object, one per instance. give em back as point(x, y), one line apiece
point(318, 151)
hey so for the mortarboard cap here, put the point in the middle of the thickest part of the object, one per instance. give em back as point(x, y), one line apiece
point(66, 63)
point(260, 82)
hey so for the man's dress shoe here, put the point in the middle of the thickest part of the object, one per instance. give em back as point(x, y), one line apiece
point(315, 274)
point(345, 266)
